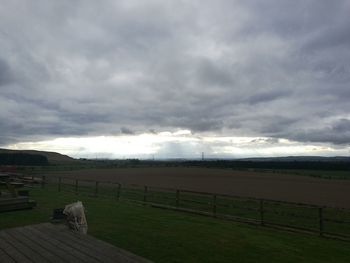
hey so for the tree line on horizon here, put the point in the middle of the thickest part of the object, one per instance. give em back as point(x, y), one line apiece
point(23, 159)
point(307, 165)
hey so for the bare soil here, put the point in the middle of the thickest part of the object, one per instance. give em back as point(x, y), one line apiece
point(335, 193)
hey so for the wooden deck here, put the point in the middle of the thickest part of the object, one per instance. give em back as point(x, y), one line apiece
point(15, 203)
point(55, 243)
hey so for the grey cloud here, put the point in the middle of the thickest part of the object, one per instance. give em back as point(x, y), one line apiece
point(266, 140)
point(210, 74)
point(152, 131)
point(125, 130)
point(334, 36)
point(203, 124)
point(343, 125)
point(276, 124)
point(267, 96)
point(253, 68)
point(294, 19)
point(337, 133)
point(5, 73)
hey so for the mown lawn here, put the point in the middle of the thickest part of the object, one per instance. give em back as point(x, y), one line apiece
point(169, 236)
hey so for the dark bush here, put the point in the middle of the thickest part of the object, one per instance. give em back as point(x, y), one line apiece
point(22, 159)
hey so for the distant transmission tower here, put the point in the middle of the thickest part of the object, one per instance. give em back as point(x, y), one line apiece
point(202, 156)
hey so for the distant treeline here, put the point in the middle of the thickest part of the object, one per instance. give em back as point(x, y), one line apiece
point(22, 159)
point(307, 165)
point(302, 165)
point(227, 164)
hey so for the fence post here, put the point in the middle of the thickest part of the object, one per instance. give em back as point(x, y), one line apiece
point(177, 200)
point(76, 186)
point(145, 194)
point(96, 188)
point(320, 217)
point(59, 183)
point(118, 191)
point(43, 179)
point(261, 210)
point(214, 205)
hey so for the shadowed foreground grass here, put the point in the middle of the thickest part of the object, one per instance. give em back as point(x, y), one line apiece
point(168, 236)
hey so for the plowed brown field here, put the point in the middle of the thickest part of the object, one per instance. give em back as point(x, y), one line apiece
point(243, 183)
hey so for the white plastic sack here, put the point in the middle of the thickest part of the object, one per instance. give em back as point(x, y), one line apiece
point(76, 217)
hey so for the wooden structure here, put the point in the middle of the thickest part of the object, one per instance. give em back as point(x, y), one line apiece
point(11, 187)
point(9, 195)
point(8, 168)
point(16, 203)
point(55, 243)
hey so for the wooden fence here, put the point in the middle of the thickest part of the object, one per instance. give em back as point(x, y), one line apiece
point(320, 220)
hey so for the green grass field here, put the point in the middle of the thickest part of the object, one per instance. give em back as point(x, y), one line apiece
point(169, 236)
point(297, 216)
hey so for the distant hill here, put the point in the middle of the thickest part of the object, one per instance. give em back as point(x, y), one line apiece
point(52, 157)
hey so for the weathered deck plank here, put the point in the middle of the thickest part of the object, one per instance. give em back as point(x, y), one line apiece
point(54, 243)
point(5, 257)
point(22, 247)
point(93, 247)
point(110, 252)
point(63, 251)
point(73, 246)
point(36, 245)
point(13, 252)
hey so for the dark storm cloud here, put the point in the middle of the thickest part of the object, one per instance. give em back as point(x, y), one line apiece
point(125, 130)
point(338, 133)
point(237, 68)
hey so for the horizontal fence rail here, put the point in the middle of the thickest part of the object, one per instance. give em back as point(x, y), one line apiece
point(321, 220)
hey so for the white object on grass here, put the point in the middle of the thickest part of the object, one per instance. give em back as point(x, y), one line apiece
point(76, 219)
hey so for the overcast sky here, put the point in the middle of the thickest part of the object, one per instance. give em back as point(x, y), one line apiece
point(175, 78)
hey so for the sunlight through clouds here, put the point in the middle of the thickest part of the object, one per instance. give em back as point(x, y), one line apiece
point(178, 144)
